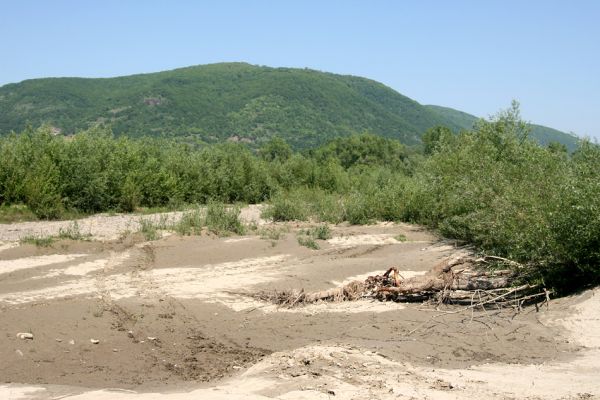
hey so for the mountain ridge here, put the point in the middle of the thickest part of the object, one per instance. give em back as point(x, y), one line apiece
point(223, 101)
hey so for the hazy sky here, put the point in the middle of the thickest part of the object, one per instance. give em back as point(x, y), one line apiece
point(471, 55)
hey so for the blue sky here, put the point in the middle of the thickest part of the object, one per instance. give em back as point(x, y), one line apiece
point(474, 56)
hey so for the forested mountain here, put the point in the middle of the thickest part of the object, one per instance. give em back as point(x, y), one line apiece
point(228, 101)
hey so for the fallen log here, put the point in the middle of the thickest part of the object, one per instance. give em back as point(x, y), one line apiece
point(459, 279)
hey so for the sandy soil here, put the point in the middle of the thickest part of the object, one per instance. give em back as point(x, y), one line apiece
point(129, 319)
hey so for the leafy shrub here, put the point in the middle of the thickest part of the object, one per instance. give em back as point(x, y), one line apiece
point(509, 196)
point(40, 190)
point(491, 187)
point(286, 207)
point(223, 220)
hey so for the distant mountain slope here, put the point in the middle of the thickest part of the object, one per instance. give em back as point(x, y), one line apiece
point(228, 101)
point(219, 101)
point(542, 134)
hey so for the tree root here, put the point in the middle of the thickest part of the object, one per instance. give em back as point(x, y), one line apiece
point(459, 280)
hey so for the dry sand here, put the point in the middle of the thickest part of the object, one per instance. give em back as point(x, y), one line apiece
point(172, 321)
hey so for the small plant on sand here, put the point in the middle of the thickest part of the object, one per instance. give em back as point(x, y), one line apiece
point(72, 232)
point(308, 241)
point(272, 233)
point(308, 237)
point(40, 241)
point(401, 237)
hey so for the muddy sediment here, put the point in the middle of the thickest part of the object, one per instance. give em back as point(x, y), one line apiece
point(172, 315)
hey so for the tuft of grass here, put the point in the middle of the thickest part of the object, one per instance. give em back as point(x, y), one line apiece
point(272, 233)
point(308, 237)
point(308, 241)
point(223, 220)
point(321, 232)
point(149, 229)
point(401, 237)
point(72, 232)
point(40, 241)
point(191, 223)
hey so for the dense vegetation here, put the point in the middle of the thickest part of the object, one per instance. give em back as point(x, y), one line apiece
point(542, 134)
point(490, 186)
point(234, 101)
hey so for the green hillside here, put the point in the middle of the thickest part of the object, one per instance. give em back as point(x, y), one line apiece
point(219, 101)
point(542, 134)
point(229, 101)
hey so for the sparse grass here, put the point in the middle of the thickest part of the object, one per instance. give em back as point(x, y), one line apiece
point(149, 229)
point(217, 218)
point(308, 237)
point(191, 223)
point(124, 235)
point(40, 241)
point(72, 232)
point(155, 210)
point(252, 226)
point(272, 233)
point(308, 241)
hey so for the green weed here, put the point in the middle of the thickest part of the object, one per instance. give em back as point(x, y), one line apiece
point(223, 220)
point(149, 229)
point(401, 237)
point(72, 232)
point(191, 223)
point(308, 241)
point(272, 233)
point(308, 237)
point(40, 241)
point(321, 232)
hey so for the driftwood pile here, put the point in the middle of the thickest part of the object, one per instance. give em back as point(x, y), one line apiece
point(459, 280)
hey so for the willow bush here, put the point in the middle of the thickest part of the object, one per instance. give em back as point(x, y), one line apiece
point(491, 186)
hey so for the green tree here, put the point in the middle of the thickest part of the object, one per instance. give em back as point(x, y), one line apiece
point(435, 137)
point(276, 149)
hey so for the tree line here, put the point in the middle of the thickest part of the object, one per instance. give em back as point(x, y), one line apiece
point(490, 186)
